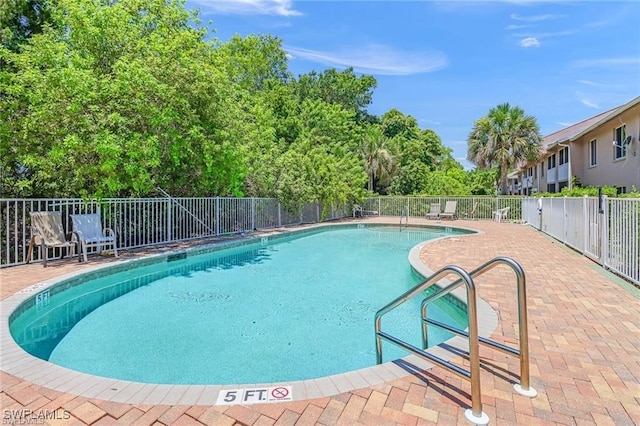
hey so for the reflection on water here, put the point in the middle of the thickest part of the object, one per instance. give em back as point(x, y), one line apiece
point(40, 328)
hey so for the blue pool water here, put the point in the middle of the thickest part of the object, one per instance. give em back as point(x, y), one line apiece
point(288, 309)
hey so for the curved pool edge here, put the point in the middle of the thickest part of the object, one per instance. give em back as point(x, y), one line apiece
point(17, 362)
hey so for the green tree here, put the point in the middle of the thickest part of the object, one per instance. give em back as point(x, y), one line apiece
point(256, 61)
point(446, 182)
point(378, 160)
point(352, 92)
point(411, 178)
point(482, 182)
point(119, 98)
point(504, 137)
point(21, 19)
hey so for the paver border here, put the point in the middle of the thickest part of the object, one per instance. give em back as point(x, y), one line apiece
point(15, 361)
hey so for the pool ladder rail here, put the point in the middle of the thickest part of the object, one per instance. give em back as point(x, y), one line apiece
point(404, 215)
point(475, 413)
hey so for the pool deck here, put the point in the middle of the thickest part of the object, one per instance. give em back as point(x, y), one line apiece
point(584, 344)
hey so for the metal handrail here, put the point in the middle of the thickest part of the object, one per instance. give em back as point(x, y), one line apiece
point(474, 414)
point(174, 201)
point(524, 388)
point(405, 213)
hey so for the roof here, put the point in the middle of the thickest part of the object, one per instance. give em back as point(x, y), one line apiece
point(577, 130)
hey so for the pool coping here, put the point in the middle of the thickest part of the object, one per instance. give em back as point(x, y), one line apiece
point(15, 361)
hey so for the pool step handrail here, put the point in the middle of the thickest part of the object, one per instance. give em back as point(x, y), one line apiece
point(404, 214)
point(475, 413)
point(524, 387)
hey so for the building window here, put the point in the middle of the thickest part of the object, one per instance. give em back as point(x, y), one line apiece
point(562, 184)
point(619, 150)
point(535, 172)
point(592, 153)
point(551, 187)
point(551, 162)
point(621, 189)
point(563, 156)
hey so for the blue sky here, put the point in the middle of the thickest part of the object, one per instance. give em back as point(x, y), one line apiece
point(446, 63)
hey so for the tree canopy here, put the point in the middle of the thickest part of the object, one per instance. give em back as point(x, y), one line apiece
point(102, 98)
point(504, 138)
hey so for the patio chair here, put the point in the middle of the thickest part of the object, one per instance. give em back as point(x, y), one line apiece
point(450, 210)
point(357, 210)
point(47, 231)
point(501, 214)
point(434, 212)
point(472, 213)
point(88, 230)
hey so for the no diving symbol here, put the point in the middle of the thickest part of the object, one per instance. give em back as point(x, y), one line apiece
point(255, 395)
point(279, 393)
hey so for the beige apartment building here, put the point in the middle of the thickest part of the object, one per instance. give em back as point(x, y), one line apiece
point(599, 151)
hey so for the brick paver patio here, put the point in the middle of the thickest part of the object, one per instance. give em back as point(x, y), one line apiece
point(584, 332)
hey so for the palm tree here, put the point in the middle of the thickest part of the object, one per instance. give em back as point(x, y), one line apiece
point(506, 137)
point(378, 161)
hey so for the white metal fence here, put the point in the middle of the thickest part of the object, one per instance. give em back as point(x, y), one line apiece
point(151, 221)
point(604, 229)
point(467, 207)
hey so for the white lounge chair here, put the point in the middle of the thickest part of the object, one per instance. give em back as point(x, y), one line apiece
point(88, 230)
point(47, 231)
point(449, 210)
point(501, 214)
point(434, 211)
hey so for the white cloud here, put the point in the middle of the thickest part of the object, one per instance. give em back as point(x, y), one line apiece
point(375, 59)
point(425, 120)
point(607, 62)
point(601, 85)
point(563, 124)
point(534, 18)
point(248, 7)
point(529, 42)
point(516, 27)
point(589, 103)
point(534, 40)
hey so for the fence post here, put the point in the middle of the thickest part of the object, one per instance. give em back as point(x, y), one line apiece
point(564, 219)
point(253, 213)
point(605, 232)
point(585, 218)
point(169, 220)
point(279, 216)
point(216, 207)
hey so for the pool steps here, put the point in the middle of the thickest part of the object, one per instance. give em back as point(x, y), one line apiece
point(475, 413)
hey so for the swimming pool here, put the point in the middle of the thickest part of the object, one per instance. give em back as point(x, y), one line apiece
point(206, 311)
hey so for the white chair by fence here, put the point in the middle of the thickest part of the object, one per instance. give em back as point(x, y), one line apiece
point(501, 214)
point(87, 228)
point(450, 210)
point(434, 211)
